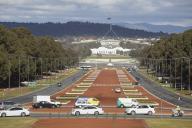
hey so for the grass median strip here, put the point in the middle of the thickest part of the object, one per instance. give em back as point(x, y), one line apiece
point(132, 93)
point(126, 84)
point(12, 122)
point(147, 102)
point(84, 86)
point(79, 89)
point(76, 93)
point(88, 83)
point(169, 123)
point(130, 90)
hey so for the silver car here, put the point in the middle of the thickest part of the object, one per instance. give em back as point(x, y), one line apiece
point(8, 104)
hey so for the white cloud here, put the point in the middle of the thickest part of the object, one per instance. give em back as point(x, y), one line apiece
point(98, 10)
point(15, 2)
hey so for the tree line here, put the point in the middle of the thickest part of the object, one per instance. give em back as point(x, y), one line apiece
point(24, 56)
point(170, 58)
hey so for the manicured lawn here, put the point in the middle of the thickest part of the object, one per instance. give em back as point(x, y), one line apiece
point(169, 123)
point(13, 92)
point(17, 122)
point(165, 86)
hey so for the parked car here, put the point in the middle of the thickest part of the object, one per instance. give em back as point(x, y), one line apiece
point(87, 110)
point(8, 104)
point(44, 104)
point(15, 111)
point(86, 101)
point(140, 109)
point(126, 102)
point(117, 90)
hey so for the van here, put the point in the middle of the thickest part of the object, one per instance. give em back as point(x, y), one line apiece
point(39, 98)
point(126, 102)
point(85, 101)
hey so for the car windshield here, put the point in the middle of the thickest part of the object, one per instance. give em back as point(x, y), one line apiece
point(94, 99)
point(9, 103)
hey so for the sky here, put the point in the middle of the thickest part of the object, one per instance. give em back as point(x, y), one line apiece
point(161, 12)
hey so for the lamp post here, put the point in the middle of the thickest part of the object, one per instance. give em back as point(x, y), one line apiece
point(189, 75)
point(9, 73)
point(181, 75)
point(20, 74)
point(175, 73)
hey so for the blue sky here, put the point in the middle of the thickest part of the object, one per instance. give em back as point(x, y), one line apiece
point(175, 12)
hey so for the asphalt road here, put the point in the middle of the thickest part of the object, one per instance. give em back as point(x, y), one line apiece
point(50, 90)
point(162, 93)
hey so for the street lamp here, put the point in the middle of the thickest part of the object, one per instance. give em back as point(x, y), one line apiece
point(189, 70)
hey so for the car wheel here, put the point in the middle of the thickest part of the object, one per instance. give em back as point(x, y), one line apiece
point(133, 112)
point(77, 113)
point(121, 106)
point(53, 106)
point(96, 113)
point(180, 114)
point(3, 115)
point(23, 114)
point(132, 106)
point(150, 113)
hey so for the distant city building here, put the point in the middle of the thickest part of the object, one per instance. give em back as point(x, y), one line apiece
point(84, 41)
point(110, 47)
point(110, 43)
point(109, 51)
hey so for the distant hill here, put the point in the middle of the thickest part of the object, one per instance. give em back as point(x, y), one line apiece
point(155, 28)
point(80, 29)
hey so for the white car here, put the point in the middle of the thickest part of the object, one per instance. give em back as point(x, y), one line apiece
point(87, 110)
point(140, 109)
point(15, 111)
point(117, 90)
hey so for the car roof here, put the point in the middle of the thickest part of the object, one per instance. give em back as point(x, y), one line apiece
point(16, 107)
point(88, 106)
point(9, 101)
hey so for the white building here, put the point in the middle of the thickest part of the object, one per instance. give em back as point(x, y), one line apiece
point(110, 42)
point(108, 51)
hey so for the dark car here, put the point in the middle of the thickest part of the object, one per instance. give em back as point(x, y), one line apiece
point(59, 84)
point(44, 104)
point(8, 104)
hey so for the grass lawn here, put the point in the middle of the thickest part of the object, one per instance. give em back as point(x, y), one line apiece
point(154, 79)
point(169, 123)
point(17, 122)
point(13, 92)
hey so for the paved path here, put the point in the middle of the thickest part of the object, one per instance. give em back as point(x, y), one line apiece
point(49, 90)
point(163, 93)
